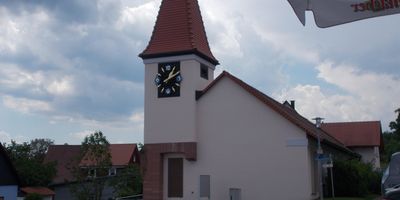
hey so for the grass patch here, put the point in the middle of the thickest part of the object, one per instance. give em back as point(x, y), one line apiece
point(369, 197)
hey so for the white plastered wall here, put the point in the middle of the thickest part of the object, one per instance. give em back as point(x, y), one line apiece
point(369, 155)
point(242, 143)
point(173, 119)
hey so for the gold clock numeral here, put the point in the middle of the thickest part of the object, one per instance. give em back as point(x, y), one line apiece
point(162, 69)
point(173, 89)
point(177, 84)
point(162, 89)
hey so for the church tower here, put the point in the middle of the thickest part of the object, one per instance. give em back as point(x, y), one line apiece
point(178, 62)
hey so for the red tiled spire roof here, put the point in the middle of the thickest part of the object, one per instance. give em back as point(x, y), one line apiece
point(179, 30)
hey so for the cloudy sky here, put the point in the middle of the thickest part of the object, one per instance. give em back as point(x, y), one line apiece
point(68, 68)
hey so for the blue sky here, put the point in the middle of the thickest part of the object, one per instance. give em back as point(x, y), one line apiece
point(69, 68)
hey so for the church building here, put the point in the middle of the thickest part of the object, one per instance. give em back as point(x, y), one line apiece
point(219, 138)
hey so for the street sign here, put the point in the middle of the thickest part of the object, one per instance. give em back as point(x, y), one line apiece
point(330, 165)
point(322, 157)
point(335, 12)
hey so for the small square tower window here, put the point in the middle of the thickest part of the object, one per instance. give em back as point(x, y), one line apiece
point(204, 71)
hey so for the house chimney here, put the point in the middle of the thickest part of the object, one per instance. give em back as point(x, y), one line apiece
point(293, 104)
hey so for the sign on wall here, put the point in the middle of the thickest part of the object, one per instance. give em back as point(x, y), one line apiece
point(334, 12)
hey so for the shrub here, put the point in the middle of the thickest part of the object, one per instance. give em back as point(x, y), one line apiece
point(354, 178)
point(33, 196)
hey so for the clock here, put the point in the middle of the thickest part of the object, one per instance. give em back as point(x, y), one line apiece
point(168, 79)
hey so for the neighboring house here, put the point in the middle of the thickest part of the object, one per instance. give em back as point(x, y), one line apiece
point(364, 138)
point(9, 180)
point(219, 138)
point(66, 156)
point(44, 192)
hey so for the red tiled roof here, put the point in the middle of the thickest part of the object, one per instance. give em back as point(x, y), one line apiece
point(288, 113)
point(121, 155)
point(67, 158)
point(354, 134)
point(43, 191)
point(179, 30)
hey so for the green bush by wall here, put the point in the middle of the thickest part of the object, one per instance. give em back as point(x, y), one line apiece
point(354, 179)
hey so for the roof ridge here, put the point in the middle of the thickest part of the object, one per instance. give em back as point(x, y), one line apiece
point(349, 122)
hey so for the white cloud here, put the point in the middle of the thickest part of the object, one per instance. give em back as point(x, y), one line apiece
point(287, 44)
point(4, 137)
point(14, 77)
point(26, 105)
point(371, 87)
point(82, 134)
point(368, 96)
point(21, 139)
point(61, 87)
point(131, 15)
point(137, 117)
point(226, 34)
point(311, 101)
point(38, 83)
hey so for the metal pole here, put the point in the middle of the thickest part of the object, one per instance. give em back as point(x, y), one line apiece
point(318, 122)
point(319, 153)
point(319, 179)
point(333, 187)
point(321, 185)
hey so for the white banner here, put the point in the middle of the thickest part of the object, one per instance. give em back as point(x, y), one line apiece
point(334, 12)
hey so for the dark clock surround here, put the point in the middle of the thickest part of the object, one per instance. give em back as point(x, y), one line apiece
point(168, 79)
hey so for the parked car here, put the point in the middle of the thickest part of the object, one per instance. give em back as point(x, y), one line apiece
point(392, 193)
point(391, 176)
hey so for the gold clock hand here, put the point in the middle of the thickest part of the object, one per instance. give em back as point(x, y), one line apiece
point(171, 76)
point(172, 71)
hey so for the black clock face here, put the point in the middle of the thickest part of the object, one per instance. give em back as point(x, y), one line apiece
point(168, 79)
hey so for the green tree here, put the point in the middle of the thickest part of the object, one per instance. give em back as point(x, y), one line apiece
point(39, 147)
point(33, 196)
point(395, 125)
point(391, 139)
point(91, 174)
point(28, 161)
point(127, 182)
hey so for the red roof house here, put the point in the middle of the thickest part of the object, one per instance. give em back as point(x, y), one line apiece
point(67, 158)
point(121, 155)
point(363, 137)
